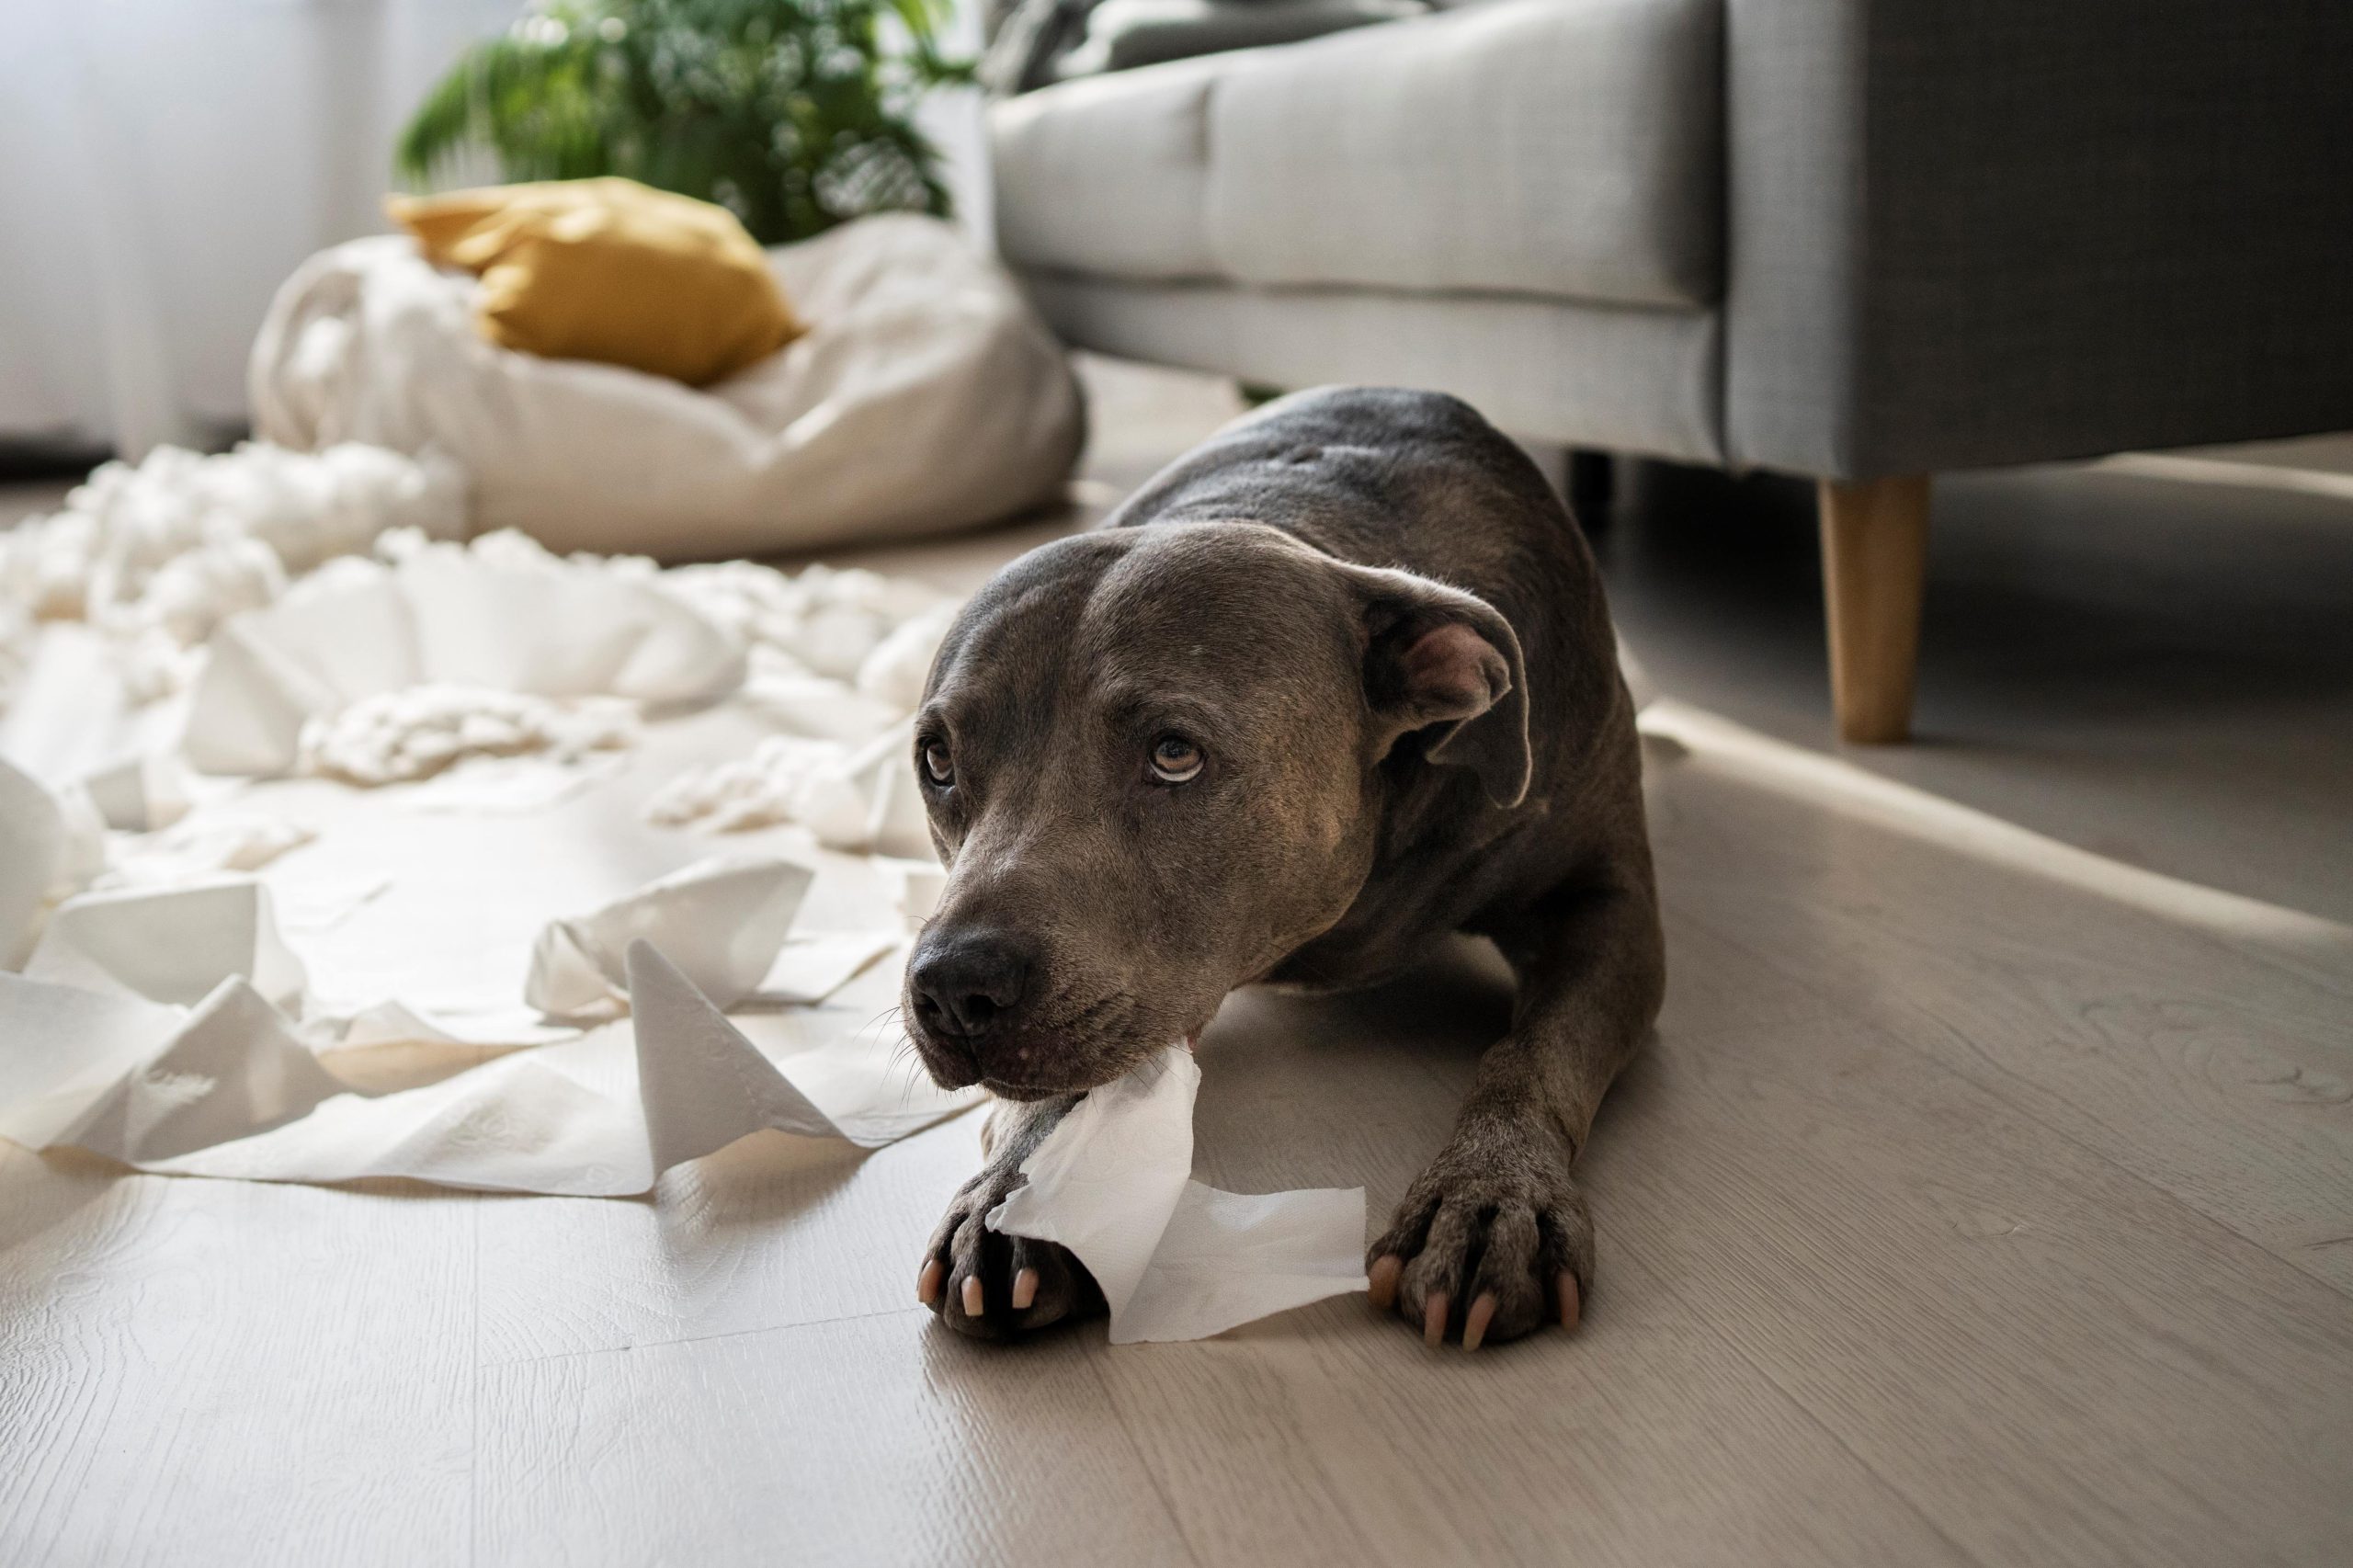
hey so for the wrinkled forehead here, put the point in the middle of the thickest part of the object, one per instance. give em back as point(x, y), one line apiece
point(1248, 624)
point(1217, 621)
point(1021, 621)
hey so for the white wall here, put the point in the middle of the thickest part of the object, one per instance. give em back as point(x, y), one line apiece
point(164, 165)
point(953, 122)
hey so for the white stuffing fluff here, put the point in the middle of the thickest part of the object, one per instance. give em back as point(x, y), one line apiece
point(160, 554)
point(871, 632)
point(829, 621)
point(838, 655)
point(418, 731)
point(786, 779)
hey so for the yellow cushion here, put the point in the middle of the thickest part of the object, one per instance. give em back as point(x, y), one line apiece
point(609, 269)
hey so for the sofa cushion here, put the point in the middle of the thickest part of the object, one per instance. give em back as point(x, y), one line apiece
point(1571, 148)
point(1627, 381)
point(1107, 175)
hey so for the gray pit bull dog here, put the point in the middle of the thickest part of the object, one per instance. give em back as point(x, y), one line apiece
point(1332, 685)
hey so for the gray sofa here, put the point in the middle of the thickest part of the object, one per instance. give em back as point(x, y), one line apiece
point(1858, 240)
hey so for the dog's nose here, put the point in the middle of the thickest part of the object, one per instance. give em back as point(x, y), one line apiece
point(969, 983)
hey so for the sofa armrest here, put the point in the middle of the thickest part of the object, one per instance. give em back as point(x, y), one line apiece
point(2006, 231)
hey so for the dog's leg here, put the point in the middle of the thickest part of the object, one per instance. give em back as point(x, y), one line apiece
point(993, 1286)
point(1494, 1238)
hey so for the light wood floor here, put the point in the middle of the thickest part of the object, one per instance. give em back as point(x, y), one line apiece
point(1987, 1196)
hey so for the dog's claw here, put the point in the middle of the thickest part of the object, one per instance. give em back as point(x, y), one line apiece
point(1486, 1233)
point(1382, 1283)
point(1474, 1327)
point(997, 1287)
point(1571, 1304)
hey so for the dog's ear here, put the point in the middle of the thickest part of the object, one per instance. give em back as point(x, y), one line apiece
point(1437, 658)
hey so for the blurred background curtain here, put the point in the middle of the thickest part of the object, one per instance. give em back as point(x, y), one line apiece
point(164, 163)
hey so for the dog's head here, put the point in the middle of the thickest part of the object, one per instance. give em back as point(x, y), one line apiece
point(1153, 760)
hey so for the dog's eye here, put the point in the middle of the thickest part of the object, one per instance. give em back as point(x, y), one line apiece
point(937, 764)
point(1175, 759)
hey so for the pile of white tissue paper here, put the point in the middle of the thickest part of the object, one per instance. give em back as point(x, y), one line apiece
point(160, 554)
point(333, 846)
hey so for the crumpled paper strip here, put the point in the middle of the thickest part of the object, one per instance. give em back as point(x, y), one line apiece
point(722, 920)
point(71, 714)
point(139, 794)
point(455, 902)
point(171, 944)
point(227, 1089)
point(1177, 1259)
point(50, 847)
point(811, 967)
point(231, 1068)
point(727, 917)
point(447, 615)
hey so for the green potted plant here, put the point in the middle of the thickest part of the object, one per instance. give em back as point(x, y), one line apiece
point(796, 114)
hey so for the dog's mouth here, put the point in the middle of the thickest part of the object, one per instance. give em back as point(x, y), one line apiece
point(1005, 1090)
point(1034, 1074)
point(1090, 1069)
point(954, 1068)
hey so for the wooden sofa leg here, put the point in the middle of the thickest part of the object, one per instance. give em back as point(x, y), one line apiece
point(1874, 563)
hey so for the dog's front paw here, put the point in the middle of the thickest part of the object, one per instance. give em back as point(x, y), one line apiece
point(998, 1287)
point(1493, 1241)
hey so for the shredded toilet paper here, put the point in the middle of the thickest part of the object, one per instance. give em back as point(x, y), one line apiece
point(491, 618)
point(188, 852)
point(17, 642)
point(810, 968)
point(173, 944)
point(786, 779)
point(725, 920)
point(160, 554)
point(332, 847)
point(226, 1088)
point(832, 622)
point(51, 848)
point(416, 732)
point(139, 794)
point(175, 1030)
point(862, 800)
point(1177, 1259)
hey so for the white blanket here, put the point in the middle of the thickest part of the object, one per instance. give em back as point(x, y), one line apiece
point(925, 396)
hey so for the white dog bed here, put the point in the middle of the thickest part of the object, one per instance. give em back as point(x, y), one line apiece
point(925, 396)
